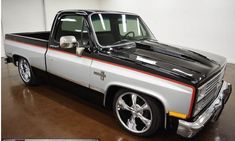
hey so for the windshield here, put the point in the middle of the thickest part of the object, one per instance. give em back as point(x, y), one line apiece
point(114, 29)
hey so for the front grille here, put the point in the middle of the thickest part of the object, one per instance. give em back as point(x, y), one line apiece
point(212, 86)
point(211, 89)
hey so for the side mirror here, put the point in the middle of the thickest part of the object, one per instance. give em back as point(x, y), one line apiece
point(68, 42)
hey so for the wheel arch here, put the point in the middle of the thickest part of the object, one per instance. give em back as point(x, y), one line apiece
point(112, 90)
point(16, 58)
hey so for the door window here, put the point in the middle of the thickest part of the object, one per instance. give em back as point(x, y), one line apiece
point(73, 25)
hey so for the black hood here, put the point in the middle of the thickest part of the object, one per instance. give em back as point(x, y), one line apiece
point(180, 63)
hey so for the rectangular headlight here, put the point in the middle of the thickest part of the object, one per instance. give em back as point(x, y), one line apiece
point(201, 93)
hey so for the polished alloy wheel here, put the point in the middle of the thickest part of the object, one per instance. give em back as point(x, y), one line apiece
point(24, 70)
point(134, 112)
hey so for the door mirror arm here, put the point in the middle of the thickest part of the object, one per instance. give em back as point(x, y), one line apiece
point(79, 50)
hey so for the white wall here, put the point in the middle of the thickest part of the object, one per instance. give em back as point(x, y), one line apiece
point(28, 15)
point(21, 16)
point(53, 6)
point(202, 24)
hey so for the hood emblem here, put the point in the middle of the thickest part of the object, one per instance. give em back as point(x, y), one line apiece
point(145, 60)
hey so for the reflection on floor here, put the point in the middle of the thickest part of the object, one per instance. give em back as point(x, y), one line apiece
point(48, 112)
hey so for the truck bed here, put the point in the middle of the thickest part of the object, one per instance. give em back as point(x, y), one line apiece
point(43, 35)
point(34, 38)
point(31, 45)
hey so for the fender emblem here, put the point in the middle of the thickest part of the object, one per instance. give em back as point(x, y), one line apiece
point(101, 74)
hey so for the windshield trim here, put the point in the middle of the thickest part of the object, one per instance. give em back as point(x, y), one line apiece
point(108, 46)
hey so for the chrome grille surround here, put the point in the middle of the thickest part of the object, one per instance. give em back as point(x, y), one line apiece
point(211, 91)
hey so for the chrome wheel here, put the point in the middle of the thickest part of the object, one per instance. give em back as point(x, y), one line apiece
point(24, 70)
point(134, 112)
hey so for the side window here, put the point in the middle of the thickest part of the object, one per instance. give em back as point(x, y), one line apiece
point(72, 25)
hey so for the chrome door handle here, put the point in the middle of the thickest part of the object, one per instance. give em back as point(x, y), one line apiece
point(53, 46)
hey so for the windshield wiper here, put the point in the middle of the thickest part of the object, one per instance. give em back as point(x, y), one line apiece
point(144, 38)
point(121, 41)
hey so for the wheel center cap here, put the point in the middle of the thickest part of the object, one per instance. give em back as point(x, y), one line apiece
point(134, 111)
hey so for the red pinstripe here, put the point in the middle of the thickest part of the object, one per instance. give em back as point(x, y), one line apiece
point(133, 69)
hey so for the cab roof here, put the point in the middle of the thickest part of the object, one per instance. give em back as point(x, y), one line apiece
point(90, 11)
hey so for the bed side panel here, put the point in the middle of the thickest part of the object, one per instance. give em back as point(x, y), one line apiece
point(30, 48)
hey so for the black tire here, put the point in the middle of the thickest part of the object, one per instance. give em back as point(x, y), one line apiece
point(157, 116)
point(32, 79)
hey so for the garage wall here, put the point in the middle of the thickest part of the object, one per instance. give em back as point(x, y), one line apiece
point(202, 24)
point(207, 25)
point(36, 15)
point(21, 16)
point(53, 6)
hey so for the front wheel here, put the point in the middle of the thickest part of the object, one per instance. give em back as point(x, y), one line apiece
point(139, 114)
point(26, 72)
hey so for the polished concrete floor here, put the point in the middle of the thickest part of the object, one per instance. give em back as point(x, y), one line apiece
point(46, 111)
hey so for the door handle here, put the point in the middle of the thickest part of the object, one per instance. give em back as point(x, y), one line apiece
point(54, 46)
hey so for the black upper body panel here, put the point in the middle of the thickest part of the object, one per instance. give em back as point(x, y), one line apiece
point(149, 55)
point(180, 64)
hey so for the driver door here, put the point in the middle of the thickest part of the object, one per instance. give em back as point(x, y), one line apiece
point(64, 62)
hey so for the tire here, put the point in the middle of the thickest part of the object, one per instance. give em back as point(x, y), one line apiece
point(26, 72)
point(138, 114)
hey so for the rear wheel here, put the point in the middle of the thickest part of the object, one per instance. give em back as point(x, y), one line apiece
point(26, 72)
point(139, 114)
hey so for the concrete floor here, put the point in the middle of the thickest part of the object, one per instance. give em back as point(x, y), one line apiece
point(46, 111)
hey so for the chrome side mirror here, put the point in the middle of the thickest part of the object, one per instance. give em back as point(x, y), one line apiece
point(68, 42)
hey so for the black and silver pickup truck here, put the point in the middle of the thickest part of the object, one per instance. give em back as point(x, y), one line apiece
point(148, 84)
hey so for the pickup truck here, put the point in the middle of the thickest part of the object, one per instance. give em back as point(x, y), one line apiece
point(149, 85)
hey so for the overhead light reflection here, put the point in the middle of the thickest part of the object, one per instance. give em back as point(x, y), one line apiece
point(102, 21)
point(138, 26)
point(68, 20)
point(124, 23)
point(189, 74)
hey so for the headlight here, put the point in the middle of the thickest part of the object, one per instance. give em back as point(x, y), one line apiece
point(203, 99)
point(201, 93)
point(205, 96)
point(200, 102)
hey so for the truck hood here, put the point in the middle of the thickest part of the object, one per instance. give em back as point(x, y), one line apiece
point(187, 64)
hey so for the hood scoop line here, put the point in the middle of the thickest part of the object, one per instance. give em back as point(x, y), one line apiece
point(143, 46)
point(146, 60)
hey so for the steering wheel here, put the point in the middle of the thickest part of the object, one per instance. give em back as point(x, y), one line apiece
point(130, 32)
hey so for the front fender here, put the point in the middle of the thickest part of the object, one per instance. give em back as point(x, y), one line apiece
point(142, 90)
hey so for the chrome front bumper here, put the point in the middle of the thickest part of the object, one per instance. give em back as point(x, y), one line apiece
point(189, 129)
